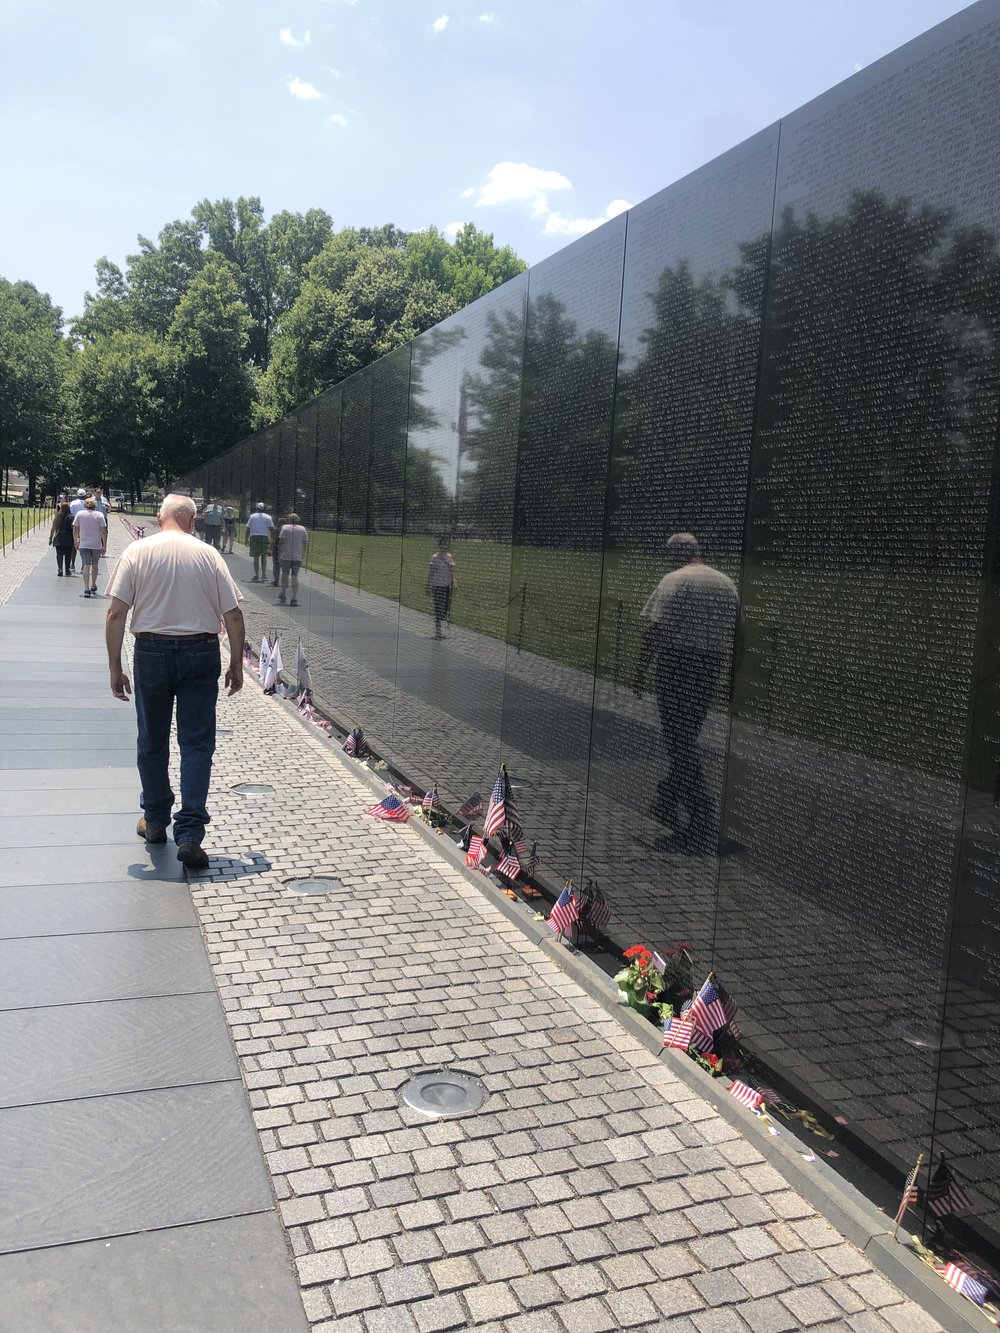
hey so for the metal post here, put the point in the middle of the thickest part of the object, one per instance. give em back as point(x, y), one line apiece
point(361, 561)
point(520, 623)
point(3, 534)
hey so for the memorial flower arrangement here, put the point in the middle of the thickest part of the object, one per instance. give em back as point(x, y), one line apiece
point(642, 985)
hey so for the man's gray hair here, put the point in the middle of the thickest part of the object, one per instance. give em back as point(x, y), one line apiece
point(684, 546)
point(181, 508)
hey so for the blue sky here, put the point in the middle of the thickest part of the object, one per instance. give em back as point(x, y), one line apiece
point(533, 118)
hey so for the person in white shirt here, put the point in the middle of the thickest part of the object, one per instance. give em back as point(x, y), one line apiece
point(292, 542)
point(260, 524)
point(75, 506)
point(441, 583)
point(179, 590)
point(90, 537)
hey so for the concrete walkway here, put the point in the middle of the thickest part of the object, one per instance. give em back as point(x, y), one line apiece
point(134, 1192)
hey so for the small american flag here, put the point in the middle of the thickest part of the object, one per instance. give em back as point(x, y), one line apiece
point(707, 1011)
point(678, 1032)
point(472, 807)
point(944, 1194)
point(564, 912)
point(509, 865)
point(356, 744)
point(911, 1192)
point(496, 812)
point(743, 1092)
point(390, 807)
point(476, 854)
point(530, 863)
point(729, 1005)
point(431, 801)
point(595, 910)
point(964, 1283)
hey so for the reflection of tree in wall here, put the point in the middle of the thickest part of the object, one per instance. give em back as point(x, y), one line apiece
point(683, 415)
point(564, 403)
point(878, 402)
point(494, 400)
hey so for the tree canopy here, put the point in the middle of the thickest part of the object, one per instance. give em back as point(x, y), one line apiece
point(222, 323)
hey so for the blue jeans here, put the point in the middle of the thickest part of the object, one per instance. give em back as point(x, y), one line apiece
point(187, 672)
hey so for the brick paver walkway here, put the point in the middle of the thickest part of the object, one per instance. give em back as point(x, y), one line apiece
point(593, 1191)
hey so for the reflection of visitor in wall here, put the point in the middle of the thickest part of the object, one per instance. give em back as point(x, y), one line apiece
point(441, 583)
point(690, 626)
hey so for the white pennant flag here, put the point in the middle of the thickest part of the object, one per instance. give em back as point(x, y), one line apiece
point(303, 676)
point(265, 653)
point(273, 672)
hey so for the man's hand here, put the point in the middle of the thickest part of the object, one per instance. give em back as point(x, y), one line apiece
point(121, 686)
point(234, 677)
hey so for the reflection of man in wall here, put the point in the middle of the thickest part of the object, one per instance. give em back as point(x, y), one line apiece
point(691, 624)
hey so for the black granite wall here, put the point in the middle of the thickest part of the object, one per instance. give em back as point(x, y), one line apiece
point(793, 354)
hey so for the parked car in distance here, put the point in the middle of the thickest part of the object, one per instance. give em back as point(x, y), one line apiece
point(117, 500)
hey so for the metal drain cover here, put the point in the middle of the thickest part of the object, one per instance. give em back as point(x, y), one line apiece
point(316, 886)
point(442, 1093)
point(252, 788)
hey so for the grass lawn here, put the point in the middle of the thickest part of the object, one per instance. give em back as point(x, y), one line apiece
point(15, 519)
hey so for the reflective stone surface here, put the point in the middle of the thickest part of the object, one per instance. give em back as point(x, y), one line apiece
point(792, 355)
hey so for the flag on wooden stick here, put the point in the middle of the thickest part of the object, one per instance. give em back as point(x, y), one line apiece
point(944, 1194)
point(565, 912)
point(390, 808)
point(911, 1192)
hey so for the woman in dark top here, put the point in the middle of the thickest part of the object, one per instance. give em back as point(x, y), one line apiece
point(61, 537)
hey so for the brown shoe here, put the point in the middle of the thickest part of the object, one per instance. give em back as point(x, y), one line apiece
point(151, 832)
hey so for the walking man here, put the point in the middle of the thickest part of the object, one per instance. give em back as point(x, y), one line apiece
point(179, 590)
point(75, 506)
point(692, 627)
point(213, 522)
point(259, 527)
point(292, 542)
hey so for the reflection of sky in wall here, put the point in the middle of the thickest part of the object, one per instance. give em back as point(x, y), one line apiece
point(700, 221)
point(438, 363)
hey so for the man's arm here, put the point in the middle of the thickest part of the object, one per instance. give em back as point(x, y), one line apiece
point(650, 639)
point(236, 630)
point(114, 636)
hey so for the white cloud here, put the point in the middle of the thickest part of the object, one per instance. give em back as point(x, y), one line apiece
point(557, 224)
point(530, 187)
point(487, 18)
point(440, 24)
point(286, 36)
point(451, 229)
point(304, 91)
point(338, 118)
point(517, 183)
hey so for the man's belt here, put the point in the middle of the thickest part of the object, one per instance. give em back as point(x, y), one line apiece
point(177, 638)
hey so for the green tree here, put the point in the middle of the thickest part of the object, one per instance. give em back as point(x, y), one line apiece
point(33, 367)
point(124, 394)
point(209, 333)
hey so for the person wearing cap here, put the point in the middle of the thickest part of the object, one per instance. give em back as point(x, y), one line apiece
point(90, 536)
point(692, 628)
point(260, 525)
point(178, 590)
point(75, 506)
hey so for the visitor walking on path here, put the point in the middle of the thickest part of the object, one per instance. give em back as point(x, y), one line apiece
point(259, 527)
point(179, 590)
point(61, 537)
point(90, 535)
point(228, 530)
point(441, 583)
point(292, 542)
point(213, 523)
point(692, 628)
point(76, 504)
